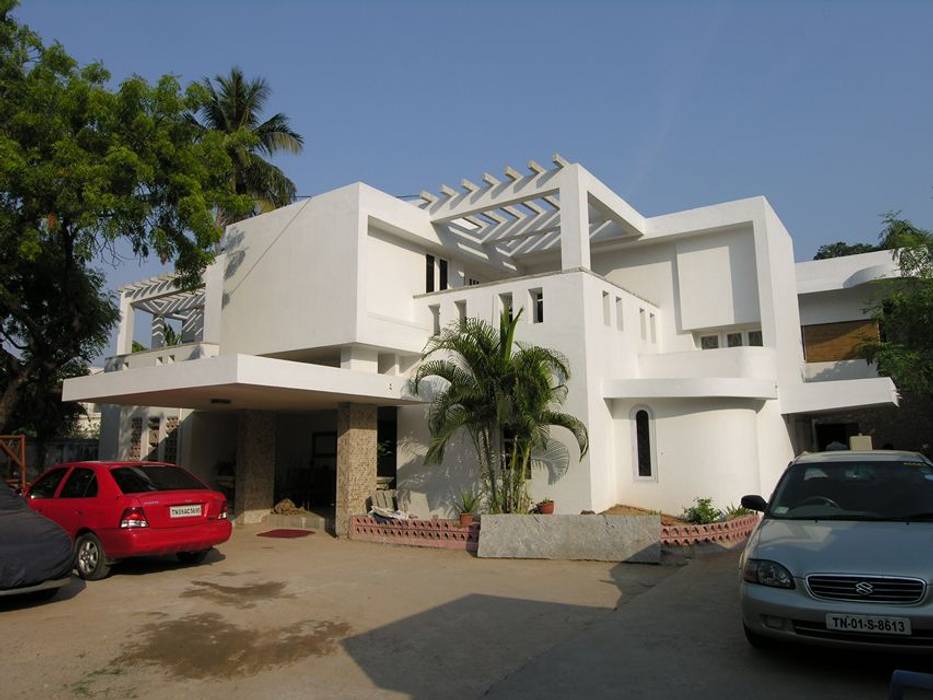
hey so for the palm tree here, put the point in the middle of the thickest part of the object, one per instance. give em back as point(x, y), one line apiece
point(505, 395)
point(232, 105)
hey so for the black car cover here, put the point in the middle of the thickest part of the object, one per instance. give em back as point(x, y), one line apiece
point(33, 549)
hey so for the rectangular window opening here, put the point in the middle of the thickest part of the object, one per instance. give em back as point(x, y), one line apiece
point(461, 311)
point(505, 304)
point(734, 340)
point(709, 342)
point(642, 322)
point(607, 310)
point(755, 339)
point(442, 273)
point(654, 329)
point(620, 323)
point(428, 273)
point(537, 305)
point(436, 319)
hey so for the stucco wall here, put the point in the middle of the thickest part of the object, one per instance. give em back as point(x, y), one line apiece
point(835, 305)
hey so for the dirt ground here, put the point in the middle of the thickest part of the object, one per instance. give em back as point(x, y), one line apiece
point(311, 617)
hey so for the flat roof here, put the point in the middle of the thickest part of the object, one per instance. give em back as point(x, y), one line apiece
point(844, 272)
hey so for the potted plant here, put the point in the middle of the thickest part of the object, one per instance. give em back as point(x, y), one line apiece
point(545, 507)
point(467, 504)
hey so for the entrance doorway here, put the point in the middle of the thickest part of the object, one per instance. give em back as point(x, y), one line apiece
point(827, 433)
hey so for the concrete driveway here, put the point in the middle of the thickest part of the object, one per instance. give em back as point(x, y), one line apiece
point(318, 617)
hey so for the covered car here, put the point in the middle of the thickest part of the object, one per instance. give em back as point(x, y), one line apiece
point(36, 555)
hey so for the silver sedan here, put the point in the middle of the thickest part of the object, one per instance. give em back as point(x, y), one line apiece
point(844, 553)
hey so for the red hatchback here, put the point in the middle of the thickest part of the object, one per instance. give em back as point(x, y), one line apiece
point(115, 510)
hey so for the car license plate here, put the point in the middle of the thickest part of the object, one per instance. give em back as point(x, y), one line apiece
point(184, 511)
point(870, 624)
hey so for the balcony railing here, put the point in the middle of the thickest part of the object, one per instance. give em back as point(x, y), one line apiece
point(168, 355)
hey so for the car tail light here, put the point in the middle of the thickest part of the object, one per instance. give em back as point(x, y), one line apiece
point(224, 512)
point(133, 517)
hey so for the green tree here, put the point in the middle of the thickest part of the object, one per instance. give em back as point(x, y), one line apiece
point(841, 248)
point(232, 105)
point(504, 395)
point(82, 166)
point(903, 308)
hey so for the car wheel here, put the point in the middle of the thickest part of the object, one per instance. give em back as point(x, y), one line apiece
point(758, 641)
point(90, 560)
point(192, 557)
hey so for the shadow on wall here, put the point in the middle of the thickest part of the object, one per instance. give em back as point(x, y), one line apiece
point(235, 250)
point(461, 648)
point(855, 369)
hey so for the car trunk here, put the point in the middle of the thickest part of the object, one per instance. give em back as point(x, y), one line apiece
point(172, 509)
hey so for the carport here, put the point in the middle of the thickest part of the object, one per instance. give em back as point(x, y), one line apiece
point(256, 388)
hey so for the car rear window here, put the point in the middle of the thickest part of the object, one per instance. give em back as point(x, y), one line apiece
point(151, 477)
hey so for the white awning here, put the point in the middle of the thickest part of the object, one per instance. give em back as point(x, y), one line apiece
point(232, 382)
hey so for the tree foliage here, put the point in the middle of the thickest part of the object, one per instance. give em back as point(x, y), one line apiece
point(841, 248)
point(504, 395)
point(904, 309)
point(232, 104)
point(83, 165)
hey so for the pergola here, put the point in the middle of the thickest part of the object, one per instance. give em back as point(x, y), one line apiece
point(536, 211)
point(161, 297)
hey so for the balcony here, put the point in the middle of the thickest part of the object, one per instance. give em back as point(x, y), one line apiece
point(837, 370)
point(739, 362)
point(168, 355)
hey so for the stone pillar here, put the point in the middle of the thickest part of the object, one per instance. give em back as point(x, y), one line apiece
point(356, 461)
point(255, 465)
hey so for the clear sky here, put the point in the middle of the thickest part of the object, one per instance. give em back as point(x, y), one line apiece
point(826, 108)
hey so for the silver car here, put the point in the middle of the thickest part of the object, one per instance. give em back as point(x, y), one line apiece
point(844, 553)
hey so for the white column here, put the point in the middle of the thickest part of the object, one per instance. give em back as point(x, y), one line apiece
point(574, 220)
point(359, 358)
point(125, 331)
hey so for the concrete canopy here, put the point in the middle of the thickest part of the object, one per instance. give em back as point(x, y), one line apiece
point(237, 382)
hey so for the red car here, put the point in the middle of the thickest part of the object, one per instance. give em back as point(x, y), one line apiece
point(115, 510)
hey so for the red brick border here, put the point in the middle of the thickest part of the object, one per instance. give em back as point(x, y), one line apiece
point(729, 531)
point(442, 534)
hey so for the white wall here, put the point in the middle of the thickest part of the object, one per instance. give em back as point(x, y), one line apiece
point(835, 306)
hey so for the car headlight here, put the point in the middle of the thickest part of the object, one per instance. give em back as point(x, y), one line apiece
point(767, 573)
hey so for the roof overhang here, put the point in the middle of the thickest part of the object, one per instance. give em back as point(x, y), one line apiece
point(690, 387)
point(236, 382)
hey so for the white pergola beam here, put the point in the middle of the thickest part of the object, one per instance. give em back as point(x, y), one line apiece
point(458, 205)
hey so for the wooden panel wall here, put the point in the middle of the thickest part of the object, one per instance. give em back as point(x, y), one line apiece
point(830, 342)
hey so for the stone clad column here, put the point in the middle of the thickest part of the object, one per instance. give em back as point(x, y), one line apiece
point(255, 465)
point(356, 461)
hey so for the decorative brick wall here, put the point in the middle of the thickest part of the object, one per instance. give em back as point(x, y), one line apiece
point(437, 533)
point(136, 437)
point(255, 465)
point(728, 532)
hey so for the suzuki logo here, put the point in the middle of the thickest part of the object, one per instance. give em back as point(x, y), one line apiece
point(864, 588)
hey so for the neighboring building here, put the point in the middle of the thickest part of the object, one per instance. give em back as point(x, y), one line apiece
point(683, 332)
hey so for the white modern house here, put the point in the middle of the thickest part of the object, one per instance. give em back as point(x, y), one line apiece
point(683, 332)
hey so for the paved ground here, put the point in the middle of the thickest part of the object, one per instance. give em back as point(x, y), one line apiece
point(323, 618)
point(314, 617)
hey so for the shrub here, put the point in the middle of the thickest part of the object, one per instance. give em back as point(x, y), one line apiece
point(468, 502)
point(702, 512)
point(733, 512)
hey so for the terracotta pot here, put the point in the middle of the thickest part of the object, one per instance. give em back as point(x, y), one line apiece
point(466, 519)
point(546, 508)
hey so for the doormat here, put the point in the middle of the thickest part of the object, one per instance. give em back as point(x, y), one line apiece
point(285, 533)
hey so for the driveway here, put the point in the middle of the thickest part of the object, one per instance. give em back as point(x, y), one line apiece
point(318, 617)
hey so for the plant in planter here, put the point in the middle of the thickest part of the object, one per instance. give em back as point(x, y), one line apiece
point(545, 507)
point(733, 512)
point(702, 512)
point(467, 504)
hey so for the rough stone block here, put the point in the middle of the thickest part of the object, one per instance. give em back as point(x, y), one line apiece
point(632, 538)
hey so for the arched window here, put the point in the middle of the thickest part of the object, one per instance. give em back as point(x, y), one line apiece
point(642, 438)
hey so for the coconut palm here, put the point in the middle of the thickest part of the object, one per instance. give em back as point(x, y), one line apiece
point(232, 104)
point(504, 395)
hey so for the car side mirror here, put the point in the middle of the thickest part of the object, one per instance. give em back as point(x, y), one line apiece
point(755, 503)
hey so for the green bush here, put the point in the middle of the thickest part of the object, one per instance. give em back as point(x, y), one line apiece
point(733, 512)
point(702, 512)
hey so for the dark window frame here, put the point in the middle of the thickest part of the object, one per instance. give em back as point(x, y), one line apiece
point(89, 489)
point(644, 450)
point(429, 273)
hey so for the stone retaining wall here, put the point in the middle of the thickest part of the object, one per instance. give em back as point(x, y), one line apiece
point(728, 532)
point(442, 534)
point(633, 538)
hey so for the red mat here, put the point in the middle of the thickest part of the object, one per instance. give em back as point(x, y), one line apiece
point(285, 533)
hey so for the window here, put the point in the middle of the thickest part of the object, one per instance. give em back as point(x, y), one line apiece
point(461, 311)
point(153, 477)
point(709, 342)
point(654, 329)
point(619, 314)
point(505, 303)
point(606, 309)
point(436, 319)
point(643, 449)
point(472, 281)
point(45, 487)
point(537, 305)
point(733, 340)
point(442, 271)
point(428, 273)
point(755, 339)
point(81, 484)
point(641, 322)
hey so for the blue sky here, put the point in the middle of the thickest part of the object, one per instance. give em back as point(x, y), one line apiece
point(824, 107)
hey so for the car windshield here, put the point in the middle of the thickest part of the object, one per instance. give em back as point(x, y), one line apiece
point(143, 478)
point(855, 490)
